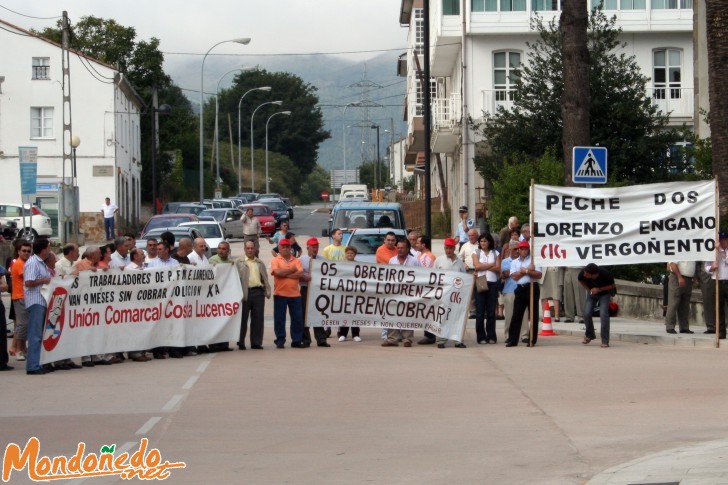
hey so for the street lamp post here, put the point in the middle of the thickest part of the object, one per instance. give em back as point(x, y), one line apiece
point(75, 142)
point(376, 169)
point(244, 41)
point(252, 152)
point(165, 109)
point(217, 117)
point(267, 180)
point(240, 156)
point(355, 103)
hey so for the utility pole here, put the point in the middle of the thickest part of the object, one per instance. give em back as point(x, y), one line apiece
point(68, 210)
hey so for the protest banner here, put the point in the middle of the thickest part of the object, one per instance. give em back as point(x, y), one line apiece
point(624, 225)
point(101, 312)
point(351, 294)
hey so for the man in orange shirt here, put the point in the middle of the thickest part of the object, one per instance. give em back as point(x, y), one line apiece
point(18, 347)
point(388, 250)
point(287, 272)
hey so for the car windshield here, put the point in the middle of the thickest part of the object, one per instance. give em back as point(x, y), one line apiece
point(165, 222)
point(366, 219)
point(218, 215)
point(275, 205)
point(208, 230)
point(366, 243)
point(258, 211)
point(190, 209)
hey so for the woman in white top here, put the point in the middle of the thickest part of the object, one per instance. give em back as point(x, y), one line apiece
point(486, 262)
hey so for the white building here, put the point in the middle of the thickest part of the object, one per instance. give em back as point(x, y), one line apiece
point(105, 115)
point(475, 45)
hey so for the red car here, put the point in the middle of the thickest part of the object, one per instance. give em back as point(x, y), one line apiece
point(264, 215)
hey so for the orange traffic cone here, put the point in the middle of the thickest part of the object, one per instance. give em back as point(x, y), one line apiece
point(547, 330)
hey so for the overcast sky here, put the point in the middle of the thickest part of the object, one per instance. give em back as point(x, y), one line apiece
point(275, 26)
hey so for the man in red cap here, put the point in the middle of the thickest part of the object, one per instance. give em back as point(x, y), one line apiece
point(525, 274)
point(312, 248)
point(287, 271)
point(451, 262)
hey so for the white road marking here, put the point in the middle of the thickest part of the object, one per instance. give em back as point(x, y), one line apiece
point(190, 382)
point(172, 402)
point(148, 425)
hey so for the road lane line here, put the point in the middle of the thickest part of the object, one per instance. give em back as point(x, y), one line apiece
point(201, 368)
point(149, 425)
point(190, 382)
point(172, 402)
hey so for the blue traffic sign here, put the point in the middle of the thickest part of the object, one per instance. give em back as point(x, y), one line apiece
point(589, 165)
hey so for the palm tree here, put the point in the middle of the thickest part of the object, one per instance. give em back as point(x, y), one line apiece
point(716, 14)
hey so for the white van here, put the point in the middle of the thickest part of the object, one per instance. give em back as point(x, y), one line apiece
point(354, 191)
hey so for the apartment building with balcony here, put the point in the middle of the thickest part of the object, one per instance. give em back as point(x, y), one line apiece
point(105, 115)
point(477, 45)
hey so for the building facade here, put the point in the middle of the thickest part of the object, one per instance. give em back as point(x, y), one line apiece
point(105, 115)
point(475, 48)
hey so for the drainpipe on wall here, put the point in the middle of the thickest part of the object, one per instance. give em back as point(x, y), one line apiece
point(465, 164)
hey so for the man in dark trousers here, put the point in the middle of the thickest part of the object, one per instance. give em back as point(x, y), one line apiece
point(598, 283)
point(523, 272)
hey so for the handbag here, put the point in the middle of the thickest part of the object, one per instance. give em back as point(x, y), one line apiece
point(481, 283)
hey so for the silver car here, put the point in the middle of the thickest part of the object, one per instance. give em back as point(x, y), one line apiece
point(229, 220)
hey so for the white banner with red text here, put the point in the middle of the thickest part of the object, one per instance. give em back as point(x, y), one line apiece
point(101, 312)
point(624, 225)
point(352, 294)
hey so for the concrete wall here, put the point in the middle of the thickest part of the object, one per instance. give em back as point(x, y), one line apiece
point(644, 302)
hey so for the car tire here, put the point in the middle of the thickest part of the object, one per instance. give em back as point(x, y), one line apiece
point(28, 234)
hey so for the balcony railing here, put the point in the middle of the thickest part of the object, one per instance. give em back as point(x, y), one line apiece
point(41, 72)
point(446, 112)
point(676, 102)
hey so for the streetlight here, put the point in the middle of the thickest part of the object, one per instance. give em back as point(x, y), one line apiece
point(287, 113)
point(217, 133)
point(240, 156)
point(376, 169)
point(252, 153)
point(355, 103)
point(244, 41)
point(165, 109)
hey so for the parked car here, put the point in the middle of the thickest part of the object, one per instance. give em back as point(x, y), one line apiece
point(8, 229)
point(211, 204)
point(264, 215)
point(366, 242)
point(250, 196)
point(178, 231)
point(226, 203)
point(171, 207)
point(285, 200)
point(229, 220)
point(210, 230)
point(280, 211)
point(191, 208)
point(21, 215)
point(167, 220)
point(364, 215)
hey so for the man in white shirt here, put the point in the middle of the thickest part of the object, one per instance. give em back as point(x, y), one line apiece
point(312, 247)
point(449, 261)
point(679, 291)
point(197, 256)
point(120, 258)
point(151, 251)
point(719, 270)
point(403, 258)
point(523, 272)
point(66, 264)
point(466, 256)
point(108, 210)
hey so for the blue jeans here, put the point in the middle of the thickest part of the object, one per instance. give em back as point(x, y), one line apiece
point(295, 309)
point(36, 318)
point(109, 228)
point(591, 301)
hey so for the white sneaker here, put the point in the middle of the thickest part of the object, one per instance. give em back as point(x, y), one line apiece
point(342, 339)
point(20, 356)
point(357, 339)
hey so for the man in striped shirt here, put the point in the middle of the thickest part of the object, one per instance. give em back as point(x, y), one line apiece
point(35, 275)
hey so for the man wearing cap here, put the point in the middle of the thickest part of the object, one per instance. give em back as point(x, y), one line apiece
point(464, 225)
point(287, 272)
point(679, 291)
point(719, 270)
point(312, 247)
point(449, 261)
point(466, 255)
point(524, 273)
point(254, 280)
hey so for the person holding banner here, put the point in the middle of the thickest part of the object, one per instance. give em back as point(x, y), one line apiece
point(335, 250)
point(312, 247)
point(287, 271)
point(527, 293)
point(35, 275)
point(403, 258)
point(120, 258)
point(466, 255)
point(67, 263)
point(719, 271)
point(254, 280)
point(599, 283)
point(679, 291)
point(427, 260)
point(197, 256)
point(351, 253)
point(388, 250)
point(163, 258)
point(3, 325)
point(449, 261)
point(486, 262)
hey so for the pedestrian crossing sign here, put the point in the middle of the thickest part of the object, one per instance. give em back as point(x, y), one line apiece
point(589, 165)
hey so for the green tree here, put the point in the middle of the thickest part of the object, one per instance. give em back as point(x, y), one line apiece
point(297, 136)
point(622, 116)
point(369, 174)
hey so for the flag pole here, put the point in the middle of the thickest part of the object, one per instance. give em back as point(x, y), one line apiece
point(716, 270)
point(531, 311)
